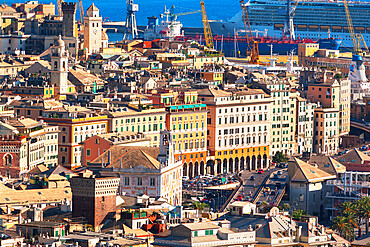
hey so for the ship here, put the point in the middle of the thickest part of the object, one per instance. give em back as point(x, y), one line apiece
point(237, 46)
point(312, 20)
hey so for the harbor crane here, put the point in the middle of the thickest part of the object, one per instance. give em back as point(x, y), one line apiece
point(82, 14)
point(358, 41)
point(59, 6)
point(130, 30)
point(172, 16)
point(206, 27)
point(252, 48)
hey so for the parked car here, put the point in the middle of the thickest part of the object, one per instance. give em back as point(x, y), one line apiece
point(252, 178)
point(346, 151)
point(260, 171)
point(276, 176)
point(258, 203)
point(279, 172)
point(273, 192)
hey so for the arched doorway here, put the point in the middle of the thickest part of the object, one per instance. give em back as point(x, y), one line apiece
point(236, 164)
point(210, 167)
point(265, 161)
point(259, 161)
point(224, 166)
point(248, 163)
point(253, 163)
point(231, 168)
point(219, 166)
point(196, 169)
point(185, 170)
point(242, 163)
point(202, 167)
point(191, 170)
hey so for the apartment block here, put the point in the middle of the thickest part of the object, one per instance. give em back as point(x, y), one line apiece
point(239, 126)
point(76, 124)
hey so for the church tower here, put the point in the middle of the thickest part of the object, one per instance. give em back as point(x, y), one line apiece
point(166, 148)
point(59, 66)
point(92, 30)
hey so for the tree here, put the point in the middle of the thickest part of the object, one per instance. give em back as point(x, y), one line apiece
point(279, 157)
point(298, 214)
point(200, 205)
point(343, 227)
point(286, 206)
point(363, 211)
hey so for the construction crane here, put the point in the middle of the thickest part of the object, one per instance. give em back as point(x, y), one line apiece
point(252, 48)
point(357, 39)
point(82, 14)
point(174, 16)
point(206, 26)
point(59, 5)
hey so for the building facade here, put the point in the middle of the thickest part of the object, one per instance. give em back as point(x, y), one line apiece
point(238, 125)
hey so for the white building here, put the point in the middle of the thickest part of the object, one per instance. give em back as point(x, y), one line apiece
point(152, 171)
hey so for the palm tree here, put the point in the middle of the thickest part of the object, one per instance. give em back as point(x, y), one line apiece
point(364, 211)
point(342, 226)
point(200, 205)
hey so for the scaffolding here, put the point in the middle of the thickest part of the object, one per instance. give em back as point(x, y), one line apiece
point(350, 186)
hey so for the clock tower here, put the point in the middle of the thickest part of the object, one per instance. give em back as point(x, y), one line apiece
point(92, 30)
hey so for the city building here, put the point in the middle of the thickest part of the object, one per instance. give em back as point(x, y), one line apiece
point(188, 123)
point(282, 134)
point(94, 146)
point(76, 124)
point(307, 187)
point(37, 228)
point(238, 125)
point(326, 131)
point(147, 121)
point(151, 171)
point(205, 234)
point(25, 144)
point(93, 198)
point(332, 92)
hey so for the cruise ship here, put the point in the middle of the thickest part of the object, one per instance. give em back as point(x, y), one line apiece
point(312, 20)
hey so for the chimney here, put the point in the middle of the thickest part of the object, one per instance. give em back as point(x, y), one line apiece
point(298, 232)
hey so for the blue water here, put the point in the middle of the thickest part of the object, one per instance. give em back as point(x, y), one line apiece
point(115, 10)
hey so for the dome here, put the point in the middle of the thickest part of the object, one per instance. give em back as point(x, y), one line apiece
point(59, 42)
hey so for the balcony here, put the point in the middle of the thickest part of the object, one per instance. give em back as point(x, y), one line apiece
point(353, 184)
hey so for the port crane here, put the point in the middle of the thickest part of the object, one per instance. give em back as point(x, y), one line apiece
point(206, 27)
point(172, 16)
point(59, 6)
point(357, 39)
point(82, 14)
point(252, 48)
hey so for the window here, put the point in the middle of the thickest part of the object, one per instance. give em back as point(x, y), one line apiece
point(127, 181)
point(88, 152)
point(139, 181)
point(152, 182)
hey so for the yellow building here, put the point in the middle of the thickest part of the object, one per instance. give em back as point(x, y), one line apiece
point(199, 62)
point(189, 128)
point(150, 122)
point(238, 126)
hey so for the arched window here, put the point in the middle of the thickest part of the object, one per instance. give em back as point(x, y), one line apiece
point(8, 160)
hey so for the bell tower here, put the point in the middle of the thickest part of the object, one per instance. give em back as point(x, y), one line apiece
point(59, 66)
point(92, 30)
point(166, 148)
